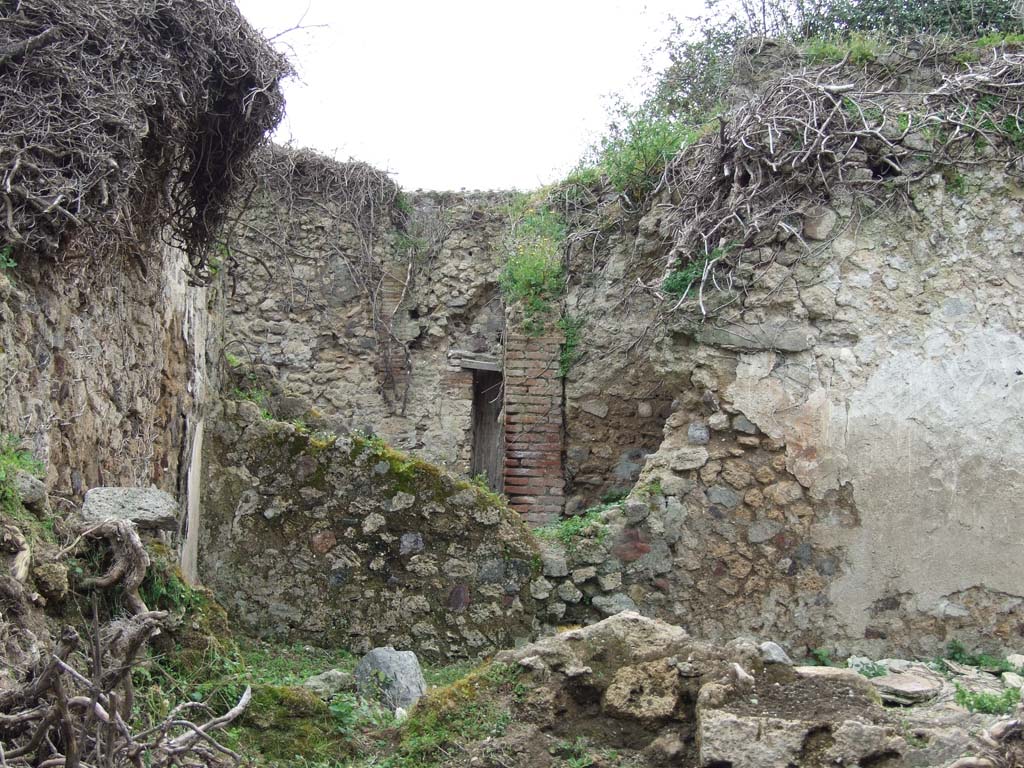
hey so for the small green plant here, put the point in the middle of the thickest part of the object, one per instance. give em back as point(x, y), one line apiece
point(1001, 703)
point(955, 651)
point(14, 458)
point(956, 183)
point(686, 275)
point(569, 530)
point(403, 204)
point(653, 488)
point(569, 354)
point(638, 147)
point(614, 496)
point(822, 657)
point(1000, 39)
point(873, 670)
point(234, 360)
point(6, 259)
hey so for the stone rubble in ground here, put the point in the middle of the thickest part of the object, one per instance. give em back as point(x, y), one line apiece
point(658, 696)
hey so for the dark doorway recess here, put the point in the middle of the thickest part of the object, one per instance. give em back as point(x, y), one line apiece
point(488, 428)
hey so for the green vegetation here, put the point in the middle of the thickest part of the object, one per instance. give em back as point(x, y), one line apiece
point(1001, 703)
point(533, 275)
point(569, 530)
point(681, 280)
point(955, 651)
point(256, 395)
point(6, 259)
point(1000, 39)
point(569, 354)
point(858, 49)
point(822, 657)
point(873, 670)
point(14, 458)
point(403, 204)
point(466, 710)
point(638, 146)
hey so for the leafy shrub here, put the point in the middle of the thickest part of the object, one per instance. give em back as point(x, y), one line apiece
point(1001, 703)
point(533, 274)
point(638, 147)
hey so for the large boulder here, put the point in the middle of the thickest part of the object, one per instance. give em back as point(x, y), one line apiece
point(391, 677)
point(148, 508)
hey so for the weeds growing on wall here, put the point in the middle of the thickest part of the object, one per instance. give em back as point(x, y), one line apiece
point(533, 276)
point(14, 459)
point(571, 327)
point(569, 530)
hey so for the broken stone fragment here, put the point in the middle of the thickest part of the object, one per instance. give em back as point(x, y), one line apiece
point(568, 592)
point(1012, 680)
point(402, 500)
point(51, 580)
point(772, 653)
point(819, 223)
point(609, 605)
point(328, 683)
point(31, 490)
point(392, 678)
point(553, 561)
point(689, 457)
point(906, 688)
point(148, 508)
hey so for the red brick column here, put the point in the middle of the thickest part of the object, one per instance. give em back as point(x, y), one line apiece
point(534, 482)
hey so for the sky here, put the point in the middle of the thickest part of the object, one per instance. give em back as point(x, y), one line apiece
point(453, 94)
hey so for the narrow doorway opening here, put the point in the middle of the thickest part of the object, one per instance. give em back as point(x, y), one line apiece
point(488, 456)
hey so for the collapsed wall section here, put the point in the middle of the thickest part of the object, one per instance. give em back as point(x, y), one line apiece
point(344, 541)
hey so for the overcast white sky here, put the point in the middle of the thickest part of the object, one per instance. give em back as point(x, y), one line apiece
point(446, 94)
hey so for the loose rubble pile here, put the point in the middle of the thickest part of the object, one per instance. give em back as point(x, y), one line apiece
point(639, 692)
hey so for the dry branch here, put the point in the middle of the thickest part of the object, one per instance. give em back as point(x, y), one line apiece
point(123, 119)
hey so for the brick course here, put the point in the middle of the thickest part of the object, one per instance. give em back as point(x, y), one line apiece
point(533, 427)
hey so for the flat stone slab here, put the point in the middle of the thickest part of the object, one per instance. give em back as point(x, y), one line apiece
point(148, 508)
point(906, 688)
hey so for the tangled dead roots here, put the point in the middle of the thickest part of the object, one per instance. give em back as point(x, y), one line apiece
point(823, 132)
point(122, 118)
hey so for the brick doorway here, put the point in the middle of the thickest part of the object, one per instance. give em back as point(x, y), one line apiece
point(488, 456)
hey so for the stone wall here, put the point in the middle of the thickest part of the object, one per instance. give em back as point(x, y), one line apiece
point(831, 458)
point(102, 365)
point(842, 466)
point(343, 541)
point(296, 310)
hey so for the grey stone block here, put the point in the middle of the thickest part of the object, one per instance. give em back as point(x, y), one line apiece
point(148, 508)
